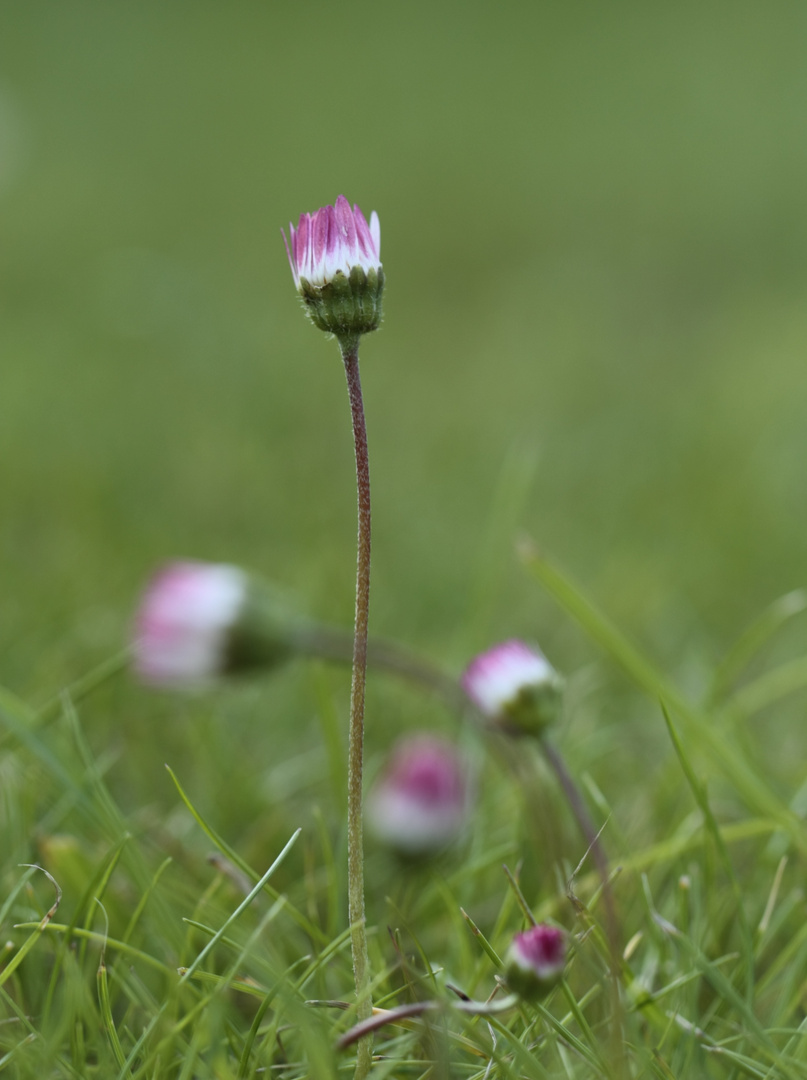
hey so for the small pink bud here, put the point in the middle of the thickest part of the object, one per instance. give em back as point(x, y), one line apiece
point(535, 960)
point(198, 620)
point(515, 687)
point(335, 259)
point(421, 802)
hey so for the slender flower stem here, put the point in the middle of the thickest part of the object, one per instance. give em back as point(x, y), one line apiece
point(592, 838)
point(590, 834)
point(328, 643)
point(418, 1008)
point(355, 852)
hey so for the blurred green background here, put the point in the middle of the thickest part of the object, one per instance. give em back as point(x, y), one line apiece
point(595, 239)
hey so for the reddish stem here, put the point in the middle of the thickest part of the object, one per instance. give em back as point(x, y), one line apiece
point(355, 850)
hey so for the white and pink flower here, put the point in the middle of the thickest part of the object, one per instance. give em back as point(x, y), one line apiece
point(421, 802)
point(514, 685)
point(536, 960)
point(184, 621)
point(333, 239)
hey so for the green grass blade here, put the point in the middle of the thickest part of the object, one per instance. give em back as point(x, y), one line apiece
point(98, 938)
point(305, 924)
point(787, 679)
point(702, 801)
point(752, 640)
point(32, 939)
point(84, 686)
point(257, 889)
point(144, 899)
point(519, 895)
point(483, 941)
point(106, 1006)
point(755, 793)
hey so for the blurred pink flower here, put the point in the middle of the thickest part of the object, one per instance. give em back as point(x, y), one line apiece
point(184, 621)
point(421, 802)
point(332, 239)
point(536, 960)
point(514, 685)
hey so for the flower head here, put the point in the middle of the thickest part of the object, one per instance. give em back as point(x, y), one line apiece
point(335, 259)
point(515, 687)
point(200, 620)
point(420, 803)
point(535, 960)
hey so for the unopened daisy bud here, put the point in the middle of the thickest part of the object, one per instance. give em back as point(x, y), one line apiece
point(515, 687)
point(421, 802)
point(535, 961)
point(197, 621)
point(335, 258)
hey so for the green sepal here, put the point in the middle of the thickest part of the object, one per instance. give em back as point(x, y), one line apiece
point(346, 306)
point(535, 707)
point(526, 983)
point(263, 637)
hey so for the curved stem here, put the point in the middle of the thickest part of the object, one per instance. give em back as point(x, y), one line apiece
point(590, 834)
point(592, 838)
point(355, 852)
point(329, 643)
point(418, 1008)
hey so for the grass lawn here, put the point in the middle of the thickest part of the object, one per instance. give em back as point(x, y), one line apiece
point(586, 415)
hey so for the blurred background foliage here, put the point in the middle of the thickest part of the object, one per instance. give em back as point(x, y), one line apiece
point(595, 239)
